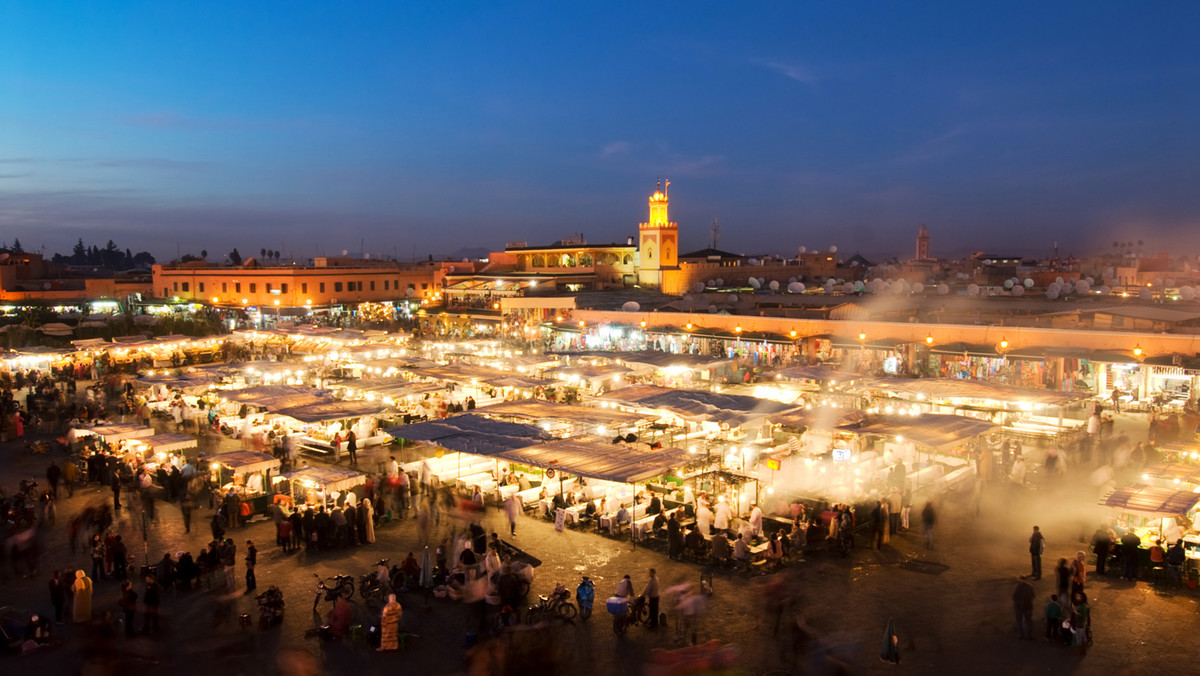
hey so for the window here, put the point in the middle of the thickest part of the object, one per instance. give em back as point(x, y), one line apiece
point(304, 288)
point(224, 287)
point(322, 287)
point(424, 285)
point(185, 287)
point(337, 287)
point(237, 287)
point(372, 285)
point(283, 288)
point(253, 287)
point(166, 292)
point(268, 287)
point(201, 287)
point(175, 285)
point(385, 284)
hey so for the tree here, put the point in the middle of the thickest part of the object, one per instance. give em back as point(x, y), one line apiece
point(262, 253)
point(16, 246)
point(204, 254)
point(235, 257)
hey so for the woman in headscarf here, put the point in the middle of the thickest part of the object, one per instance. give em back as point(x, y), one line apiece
point(389, 625)
point(366, 518)
point(82, 590)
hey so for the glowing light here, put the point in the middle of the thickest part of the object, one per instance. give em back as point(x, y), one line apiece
point(1003, 343)
point(245, 300)
point(862, 336)
point(737, 329)
point(1137, 350)
point(929, 340)
point(689, 326)
point(215, 299)
point(793, 333)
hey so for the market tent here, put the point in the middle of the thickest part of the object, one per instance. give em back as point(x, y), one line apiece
point(820, 373)
point(277, 396)
point(169, 443)
point(540, 409)
point(113, 433)
point(470, 433)
point(942, 389)
point(390, 387)
point(246, 461)
point(587, 372)
point(327, 478)
point(1151, 500)
point(697, 405)
point(822, 417)
point(938, 432)
point(322, 411)
point(595, 458)
point(1178, 471)
point(182, 381)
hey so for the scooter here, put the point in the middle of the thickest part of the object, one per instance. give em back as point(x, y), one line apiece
point(270, 608)
point(585, 595)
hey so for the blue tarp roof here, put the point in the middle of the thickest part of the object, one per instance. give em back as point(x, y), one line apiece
point(470, 433)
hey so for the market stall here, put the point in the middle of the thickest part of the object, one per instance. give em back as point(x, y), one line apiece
point(246, 473)
point(1153, 513)
point(314, 486)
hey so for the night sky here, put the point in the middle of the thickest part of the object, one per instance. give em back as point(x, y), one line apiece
point(406, 128)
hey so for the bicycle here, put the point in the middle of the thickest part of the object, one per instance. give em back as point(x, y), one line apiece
point(628, 614)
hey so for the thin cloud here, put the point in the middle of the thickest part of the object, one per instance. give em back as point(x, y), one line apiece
point(615, 148)
point(791, 71)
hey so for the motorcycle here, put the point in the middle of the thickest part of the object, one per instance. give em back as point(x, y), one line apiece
point(333, 587)
point(270, 608)
point(556, 606)
point(585, 595)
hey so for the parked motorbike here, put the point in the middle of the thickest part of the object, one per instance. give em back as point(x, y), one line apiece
point(270, 608)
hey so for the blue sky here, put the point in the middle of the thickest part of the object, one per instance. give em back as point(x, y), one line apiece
point(425, 127)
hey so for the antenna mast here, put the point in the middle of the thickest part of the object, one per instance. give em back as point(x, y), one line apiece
point(716, 232)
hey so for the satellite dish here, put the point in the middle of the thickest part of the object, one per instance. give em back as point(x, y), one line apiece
point(918, 288)
point(409, 292)
point(833, 249)
point(45, 286)
point(943, 289)
point(1018, 291)
point(774, 285)
point(803, 249)
point(631, 306)
point(366, 257)
point(972, 289)
point(345, 252)
point(1028, 283)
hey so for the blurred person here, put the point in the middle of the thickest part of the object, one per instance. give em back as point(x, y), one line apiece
point(81, 598)
point(651, 594)
point(1130, 551)
point(1023, 597)
point(928, 520)
point(1102, 542)
point(1037, 547)
point(1054, 615)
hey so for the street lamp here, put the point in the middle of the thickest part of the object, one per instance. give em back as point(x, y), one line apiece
point(1137, 351)
point(862, 337)
point(929, 340)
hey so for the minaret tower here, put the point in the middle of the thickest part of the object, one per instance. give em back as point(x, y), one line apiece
point(658, 240)
point(923, 243)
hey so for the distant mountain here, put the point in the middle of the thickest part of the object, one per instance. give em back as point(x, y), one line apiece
point(468, 252)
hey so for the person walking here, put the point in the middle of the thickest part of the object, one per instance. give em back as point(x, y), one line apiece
point(651, 594)
point(1102, 542)
point(186, 505)
point(352, 447)
point(928, 520)
point(115, 485)
point(81, 598)
point(58, 595)
point(1023, 597)
point(1130, 550)
point(70, 476)
point(1037, 547)
point(150, 601)
point(53, 475)
point(128, 605)
point(512, 507)
point(251, 561)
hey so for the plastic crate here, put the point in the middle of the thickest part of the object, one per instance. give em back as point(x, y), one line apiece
point(617, 605)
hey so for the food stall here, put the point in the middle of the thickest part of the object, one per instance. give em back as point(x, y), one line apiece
point(247, 473)
point(318, 485)
point(1155, 513)
point(111, 434)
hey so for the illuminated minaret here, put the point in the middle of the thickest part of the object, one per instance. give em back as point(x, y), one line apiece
point(658, 241)
point(923, 243)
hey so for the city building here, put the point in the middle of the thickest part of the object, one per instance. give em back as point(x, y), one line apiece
point(328, 283)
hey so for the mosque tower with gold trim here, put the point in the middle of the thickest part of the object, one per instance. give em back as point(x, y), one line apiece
point(658, 241)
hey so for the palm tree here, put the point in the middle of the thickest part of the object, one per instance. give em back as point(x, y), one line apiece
point(262, 253)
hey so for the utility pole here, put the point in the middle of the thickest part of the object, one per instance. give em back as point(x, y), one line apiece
point(716, 232)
